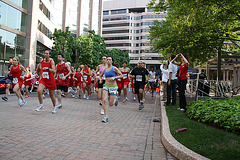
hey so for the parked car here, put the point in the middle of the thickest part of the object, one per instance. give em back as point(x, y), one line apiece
point(3, 85)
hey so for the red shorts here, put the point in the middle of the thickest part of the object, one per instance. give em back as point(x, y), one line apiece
point(125, 83)
point(20, 83)
point(78, 84)
point(120, 85)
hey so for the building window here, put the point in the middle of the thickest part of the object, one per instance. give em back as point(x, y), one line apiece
point(12, 17)
point(145, 30)
point(118, 44)
point(105, 12)
point(44, 29)
point(116, 38)
point(153, 16)
point(116, 18)
point(21, 3)
point(136, 24)
point(115, 31)
point(45, 11)
point(122, 11)
point(147, 23)
point(115, 25)
point(137, 18)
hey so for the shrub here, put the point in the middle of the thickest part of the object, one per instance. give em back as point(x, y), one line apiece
point(224, 113)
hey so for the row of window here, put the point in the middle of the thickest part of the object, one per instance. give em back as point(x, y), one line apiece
point(44, 29)
point(115, 25)
point(116, 18)
point(128, 44)
point(145, 58)
point(125, 11)
point(140, 51)
point(148, 17)
point(126, 38)
point(45, 11)
point(127, 24)
point(134, 18)
point(126, 31)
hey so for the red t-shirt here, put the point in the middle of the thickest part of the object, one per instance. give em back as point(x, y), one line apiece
point(183, 71)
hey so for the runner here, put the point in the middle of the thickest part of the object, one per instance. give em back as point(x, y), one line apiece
point(62, 78)
point(27, 81)
point(110, 86)
point(8, 80)
point(125, 72)
point(139, 74)
point(86, 72)
point(16, 72)
point(119, 83)
point(77, 76)
point(71, 86)
point(99, 70)
point(152, 80)
point(132, 82)
point(34, 80)
point(47, 80)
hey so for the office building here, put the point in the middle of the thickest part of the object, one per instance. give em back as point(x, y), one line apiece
point(26, 26)
point(126, 26)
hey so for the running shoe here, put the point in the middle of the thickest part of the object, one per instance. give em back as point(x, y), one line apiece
point(141, 106)
point(84, 96)
point(116, 102)
point(26, 96)
point(59, 106)
point(20, 102)
point(88, 97)
point(126, 99)
point(100, 103)
point(134, 98)
point(23, 103)
point(5, 98)
point(63, 95)
point(55, 110)
point(73, 96)
point(102, 111)
point(30, 91)
point(105, 119)
point(44, 97)
point(40, 107)
point(77, 97)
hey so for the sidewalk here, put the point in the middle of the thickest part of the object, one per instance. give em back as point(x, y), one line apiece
point(76, 131)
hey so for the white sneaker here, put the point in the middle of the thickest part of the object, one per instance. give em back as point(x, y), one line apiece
point(126, 99)
point(23, 103)
point(43, 96)
point(134, 98)
point(40, 107)
point(84, 96)
point(88, 97)
point(55, 110)
point(102, 111)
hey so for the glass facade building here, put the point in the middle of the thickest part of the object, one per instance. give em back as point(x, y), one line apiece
point(26, 26)
point(13, 26)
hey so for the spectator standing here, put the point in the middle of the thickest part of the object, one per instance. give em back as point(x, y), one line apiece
point(172, 81)
point(165, 75)
point(184, 66)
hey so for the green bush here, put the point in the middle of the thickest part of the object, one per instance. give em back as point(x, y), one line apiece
point(224, 113)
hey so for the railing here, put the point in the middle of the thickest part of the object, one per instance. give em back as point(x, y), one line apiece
point(212, 88)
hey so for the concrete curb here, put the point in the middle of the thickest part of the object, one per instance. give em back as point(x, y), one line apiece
point(171, 144)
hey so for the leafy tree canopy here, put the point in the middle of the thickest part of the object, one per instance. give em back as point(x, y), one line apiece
point(195, 27)
point(84, 49)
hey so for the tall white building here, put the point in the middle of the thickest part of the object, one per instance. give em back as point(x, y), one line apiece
point(126, 26)
point(26, 26)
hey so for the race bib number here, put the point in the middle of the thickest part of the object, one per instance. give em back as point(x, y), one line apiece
point(85, 77)
point(61, 75)
point(33, 76)
point(45, 75)
point(15, 80)
point(112, 90)
point(124, 76)
point(119, 79)
point(103, 77)
point(81, 79)
point(139, 78)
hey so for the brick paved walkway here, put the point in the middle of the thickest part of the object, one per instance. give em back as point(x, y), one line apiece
point(76, 131)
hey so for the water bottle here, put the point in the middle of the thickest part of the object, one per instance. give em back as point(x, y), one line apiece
point(180, 130)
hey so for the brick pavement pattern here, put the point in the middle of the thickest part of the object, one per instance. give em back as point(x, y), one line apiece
point(76, 131)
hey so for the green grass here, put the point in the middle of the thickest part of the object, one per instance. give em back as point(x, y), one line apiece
point(208, 141)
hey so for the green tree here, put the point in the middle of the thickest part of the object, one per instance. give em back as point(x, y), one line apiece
point(118, 56)
point(84, 47)
point(195, 27)
point(63, 44)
